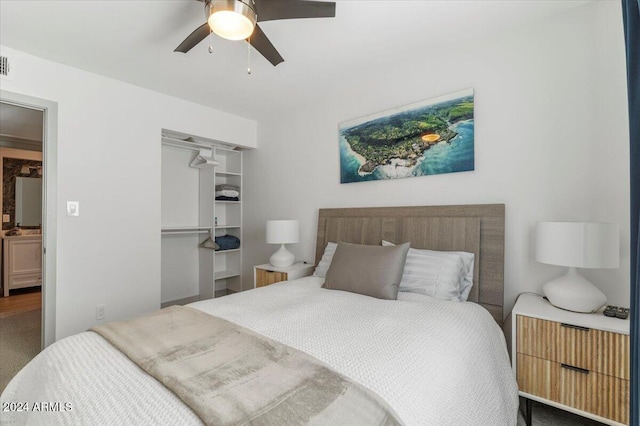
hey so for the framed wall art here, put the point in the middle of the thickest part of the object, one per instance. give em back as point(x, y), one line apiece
point(425, 138)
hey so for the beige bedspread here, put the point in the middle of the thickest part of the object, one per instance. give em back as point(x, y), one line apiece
point(230, 375)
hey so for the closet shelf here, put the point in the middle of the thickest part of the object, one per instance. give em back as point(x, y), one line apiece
point(178, 143)
point(185, 230)
point(221, 275)
point(185, 140)
point(227, 251)
point(221, 173)
point(227, 226)
point(227, 202)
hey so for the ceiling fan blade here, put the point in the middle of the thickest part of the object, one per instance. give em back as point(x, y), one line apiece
point(194, 38)
point(271, 10)
point(262, 44)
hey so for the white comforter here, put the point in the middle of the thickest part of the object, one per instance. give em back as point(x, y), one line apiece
point(434, 362)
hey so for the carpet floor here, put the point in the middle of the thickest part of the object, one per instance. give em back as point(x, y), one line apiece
point(19, 343)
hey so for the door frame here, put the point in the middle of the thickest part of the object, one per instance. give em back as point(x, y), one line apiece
point(49, 205)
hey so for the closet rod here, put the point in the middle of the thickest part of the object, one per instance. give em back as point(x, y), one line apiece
point(187, 230)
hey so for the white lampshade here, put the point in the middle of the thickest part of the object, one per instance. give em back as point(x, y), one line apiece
point(577, 245)
point(282, 232)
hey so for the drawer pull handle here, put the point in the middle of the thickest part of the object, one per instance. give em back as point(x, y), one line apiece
point(577, 327)
point(578, 369)
point(270, 272)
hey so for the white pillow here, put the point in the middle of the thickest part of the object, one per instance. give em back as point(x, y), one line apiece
point(467, 281)
point(325, 262)
point(446, 275)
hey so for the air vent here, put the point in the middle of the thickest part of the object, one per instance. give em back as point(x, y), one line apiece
point(5, 68)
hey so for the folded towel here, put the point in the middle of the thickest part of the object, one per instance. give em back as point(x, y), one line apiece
point(223, 198)
point(228, 242)
point(227, 193)
point(227, 186)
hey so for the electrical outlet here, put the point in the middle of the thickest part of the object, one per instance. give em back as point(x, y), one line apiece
point(6, 218)
point(100, 315)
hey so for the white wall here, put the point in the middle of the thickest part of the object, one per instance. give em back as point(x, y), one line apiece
point(109, 160)
point(551, 143)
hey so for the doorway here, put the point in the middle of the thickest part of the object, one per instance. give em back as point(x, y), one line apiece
point(28, 159)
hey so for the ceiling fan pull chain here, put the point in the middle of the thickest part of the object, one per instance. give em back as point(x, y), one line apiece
point(249, 44)
point(210, 40)
point(249, 56)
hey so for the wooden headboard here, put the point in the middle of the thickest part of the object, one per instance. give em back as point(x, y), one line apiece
point(477, 229)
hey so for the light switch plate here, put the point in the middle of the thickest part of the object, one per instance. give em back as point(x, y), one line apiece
point(6, 218)
point(73, 208)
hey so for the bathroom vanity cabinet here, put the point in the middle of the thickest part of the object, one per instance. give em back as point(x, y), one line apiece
point(22, 262)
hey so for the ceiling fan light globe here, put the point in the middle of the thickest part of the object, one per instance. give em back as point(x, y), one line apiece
point(231, 19)
point(230, 25)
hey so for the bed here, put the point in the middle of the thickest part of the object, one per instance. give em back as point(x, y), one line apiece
point(427, 361)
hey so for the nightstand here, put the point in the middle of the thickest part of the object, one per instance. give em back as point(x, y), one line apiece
point(268, 274)
point(576, 362)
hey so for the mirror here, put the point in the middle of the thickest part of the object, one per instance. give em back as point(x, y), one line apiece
point(28, 201)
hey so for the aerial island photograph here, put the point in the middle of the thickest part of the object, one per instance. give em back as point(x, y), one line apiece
point(426, 138)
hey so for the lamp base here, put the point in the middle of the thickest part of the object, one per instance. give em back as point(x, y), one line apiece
point(282, 258)
point(573, 292)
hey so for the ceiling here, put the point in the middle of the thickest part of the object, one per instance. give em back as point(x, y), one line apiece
point(133, 41)
point(20, 123)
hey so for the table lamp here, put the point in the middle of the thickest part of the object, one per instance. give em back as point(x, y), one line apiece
point(577, 245)
point(282, 232)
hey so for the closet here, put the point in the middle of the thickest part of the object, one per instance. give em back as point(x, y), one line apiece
point(193, 268)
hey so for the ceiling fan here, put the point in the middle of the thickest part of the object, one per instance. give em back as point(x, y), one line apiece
point(237, 20)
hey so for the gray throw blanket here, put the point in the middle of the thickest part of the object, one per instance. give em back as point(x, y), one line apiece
point(230, 375)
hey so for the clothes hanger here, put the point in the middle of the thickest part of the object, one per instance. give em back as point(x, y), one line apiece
point(204, 162)
point(209, 242)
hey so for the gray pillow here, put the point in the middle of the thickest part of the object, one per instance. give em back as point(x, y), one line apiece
point(374, 271)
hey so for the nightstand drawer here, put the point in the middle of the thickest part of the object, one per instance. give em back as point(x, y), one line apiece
point(575, 346)
point(265, 277)
point(537, 376)
point(584, 390)
point(538, 338)
point(595, 393)
point(611, 352)
point(595, 350)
